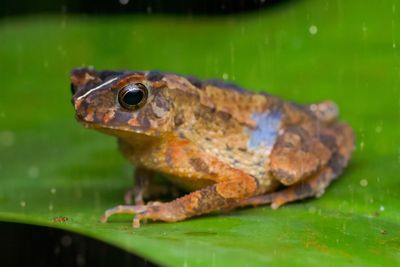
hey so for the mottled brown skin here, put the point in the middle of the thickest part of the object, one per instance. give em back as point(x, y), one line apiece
point(228, 147)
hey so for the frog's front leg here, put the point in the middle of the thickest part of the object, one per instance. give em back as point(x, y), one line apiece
point(147, 187)
point(142, 179)
point(219, 196)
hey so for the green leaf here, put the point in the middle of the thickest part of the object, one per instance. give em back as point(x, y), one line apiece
point(303, 51)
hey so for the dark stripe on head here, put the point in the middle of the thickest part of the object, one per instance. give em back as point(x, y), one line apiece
point(155, 76)
point(195, 81)
point(109, 74)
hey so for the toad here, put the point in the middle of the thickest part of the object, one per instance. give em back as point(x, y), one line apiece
point(225, 146)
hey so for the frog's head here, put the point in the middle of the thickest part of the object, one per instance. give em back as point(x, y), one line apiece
point(121, 103)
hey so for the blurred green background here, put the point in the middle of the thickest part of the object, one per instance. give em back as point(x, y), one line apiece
point(304, 51)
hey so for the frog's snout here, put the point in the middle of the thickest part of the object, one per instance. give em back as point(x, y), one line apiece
point(77, 104)
point(80, 113)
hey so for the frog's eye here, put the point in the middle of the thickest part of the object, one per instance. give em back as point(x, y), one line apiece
point(133, 96)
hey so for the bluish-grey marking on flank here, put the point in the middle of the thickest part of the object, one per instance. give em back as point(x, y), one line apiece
point(266, 132)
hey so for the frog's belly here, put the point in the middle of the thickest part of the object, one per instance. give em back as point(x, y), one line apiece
point(188, 184)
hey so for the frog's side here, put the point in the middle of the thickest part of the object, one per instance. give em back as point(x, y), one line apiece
point(229, 147)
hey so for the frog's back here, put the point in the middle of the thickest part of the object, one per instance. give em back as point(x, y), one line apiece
point(241, 128)
point(227, 123)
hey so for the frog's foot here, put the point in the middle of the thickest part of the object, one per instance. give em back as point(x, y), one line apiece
point(128, 196)
point(136, 194)
point(153, 210)
point(138, 191)
point(122, 209)
point(145, 187)
point(139, 211)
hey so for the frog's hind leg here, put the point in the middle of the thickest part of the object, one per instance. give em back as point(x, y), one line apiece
point(313, 186)
point(219, 196)
point(227, 186)
point(340, 138)
point(297, 155)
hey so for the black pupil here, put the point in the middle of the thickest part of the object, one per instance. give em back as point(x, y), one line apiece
point(133, 97)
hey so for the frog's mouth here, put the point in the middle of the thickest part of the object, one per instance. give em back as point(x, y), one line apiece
point(135, 138)
point(124, 132)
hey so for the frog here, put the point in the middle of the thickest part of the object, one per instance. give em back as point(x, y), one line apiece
point(226, 147)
